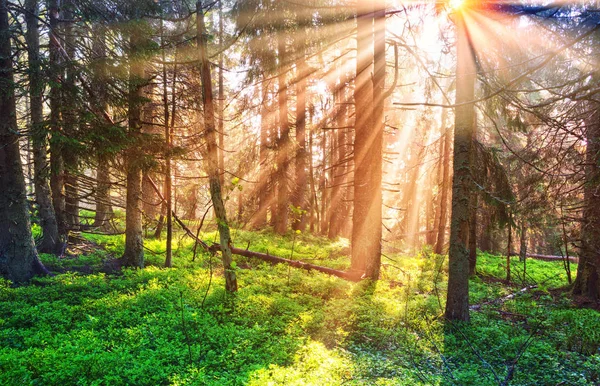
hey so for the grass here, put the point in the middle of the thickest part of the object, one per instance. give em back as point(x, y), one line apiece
point(286, 326)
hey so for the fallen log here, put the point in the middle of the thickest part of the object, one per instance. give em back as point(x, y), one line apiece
point(477, 307)
point(350, 276)
point(572, 259)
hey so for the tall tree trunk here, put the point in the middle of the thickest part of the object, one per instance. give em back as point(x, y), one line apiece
point(168, 128)
point(134, 242)
point(323, 187)
point(587, 281)
point(283, 146)
point(69, 104)
point(338, 169)
point(457, 303)
point(259, 219)
point(212, 156)
point(103, 203)
point(367, 217)
point(18, 256)
point(221, 106)
point(299, 197)
point(57, 169)
point(50, 242)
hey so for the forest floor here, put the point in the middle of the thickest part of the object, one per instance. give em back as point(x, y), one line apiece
point(94, 324)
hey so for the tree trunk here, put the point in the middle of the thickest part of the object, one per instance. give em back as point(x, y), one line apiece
point(259, 219)
point(508, 248)
point(50, 242)
point(283, 145)
point(211, 153)
point(443, 203)
point(457, 303)
point(18, 256)
point(587, 281)
point(473, 234)
point(103, 203)
point(368, 142)
point(299, 197)
point(134, 242)
point(69, 98)
point(57, 170)
point(221, 110)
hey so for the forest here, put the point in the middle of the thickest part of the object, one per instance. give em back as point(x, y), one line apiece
point(299, 192)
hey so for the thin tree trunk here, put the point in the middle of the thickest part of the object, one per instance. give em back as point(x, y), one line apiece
point(473, 234)
point(168, 144)
point(103, 203)
point(299, 197)
point(283, 146)
point(508, 248)
point(457, 303)
point(259, 219)
point(18, 256)
point(50, 242)
point(57, 182)
point(220, 118)
point(212, 156)
point(69, 98)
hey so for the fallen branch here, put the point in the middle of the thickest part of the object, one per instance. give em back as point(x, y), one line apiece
point(572, 259)
point(477, 307)
point(351, 276)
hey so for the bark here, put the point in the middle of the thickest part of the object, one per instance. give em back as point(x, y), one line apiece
point(473, 234)
point(457, 302)
point(50, 241)
point(18, 255)
point(299, 196)
point(211, 153)
point(283, 146)
point(220, 118)
point(523, 248)
point(104, 210)
point(587, 281)
point(57, 182)
point(259, 219)
point(443, 203)
point(169, 123)
point(338, 169)
point(133, 255)
point(69, 98)
point(367, 217)
point(508, 249)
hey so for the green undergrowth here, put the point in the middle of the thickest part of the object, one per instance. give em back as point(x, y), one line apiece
point(287, 326)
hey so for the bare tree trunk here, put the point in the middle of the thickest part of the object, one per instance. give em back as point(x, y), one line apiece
point(221, 105)
point(299, 197)
point(57, 170)
point(212, 156)
point(508, 248)
point(50, 242)
point(443, 203)
point(587, 281)
point(18, 256)
point(69, 99)
point(473, 234)
point(368, 142)
point(338, 170)
point(457, 304)
point(168, 128)
point(283, 146)
point(259, 219)
point(103, 203)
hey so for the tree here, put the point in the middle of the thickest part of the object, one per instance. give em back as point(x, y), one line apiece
point(133, 255)
point(212, 158)
point(457, 302)
point(18, 254)
point(50, 241)
point(368, 143)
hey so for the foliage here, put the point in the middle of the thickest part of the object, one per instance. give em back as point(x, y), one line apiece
point(287, 327)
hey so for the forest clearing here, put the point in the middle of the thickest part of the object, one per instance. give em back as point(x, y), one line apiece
point(319, 192)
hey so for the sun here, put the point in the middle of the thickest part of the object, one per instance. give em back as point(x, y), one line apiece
point(455, 5)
